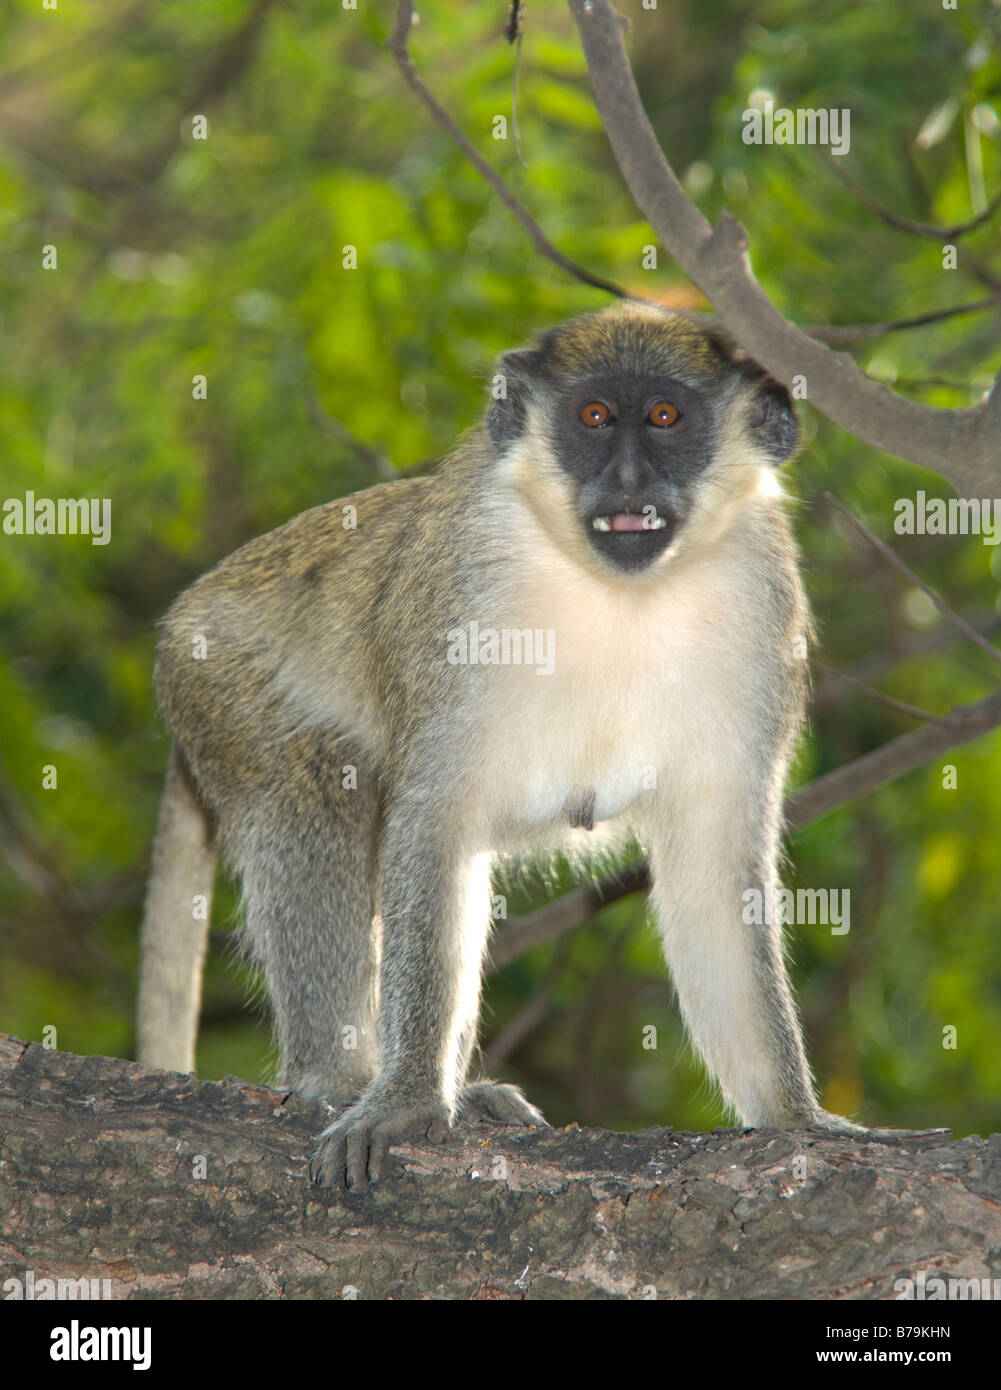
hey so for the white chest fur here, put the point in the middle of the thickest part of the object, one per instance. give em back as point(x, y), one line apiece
point(638, 689)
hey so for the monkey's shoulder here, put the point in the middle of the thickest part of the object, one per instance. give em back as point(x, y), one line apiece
point(361, 528)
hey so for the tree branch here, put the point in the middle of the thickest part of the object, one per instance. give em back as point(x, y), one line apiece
point(851, 332)
point(380, 465)
point(901, 755)
point(910, 751)
point(905, 224)
point(888, 553)
point(397, 44)
point(961, 445)
point(567, 1214)
point(563, 915)
point(899, 706)
point(920, 645)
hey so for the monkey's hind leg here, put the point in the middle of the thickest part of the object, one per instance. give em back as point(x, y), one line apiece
point(175, 925)
point(490, 1102)
point(308, 863)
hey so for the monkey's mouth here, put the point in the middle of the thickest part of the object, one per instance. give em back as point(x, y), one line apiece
point(628, 521)
point(631, 540)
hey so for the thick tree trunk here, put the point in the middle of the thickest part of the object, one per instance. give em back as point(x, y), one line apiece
point(171, 1187)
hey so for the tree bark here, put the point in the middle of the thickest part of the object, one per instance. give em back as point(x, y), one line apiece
point(99, 1164)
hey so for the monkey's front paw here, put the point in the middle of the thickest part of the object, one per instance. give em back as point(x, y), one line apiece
point(354, 1150)
point(497, 1103)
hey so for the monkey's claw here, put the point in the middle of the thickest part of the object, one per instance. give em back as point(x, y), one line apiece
point(354, 1150)
point(497, 1103)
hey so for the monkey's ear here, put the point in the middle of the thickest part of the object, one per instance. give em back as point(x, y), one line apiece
point(509, 389)
point(773, 421)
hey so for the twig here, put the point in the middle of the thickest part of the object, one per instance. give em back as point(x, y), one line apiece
point(925, 383)
point(397, 45)
point(890, 554)
point(962, 724)
point(875, 664)
point(912, 711)
point(515, 35)
point(849, 332)
point(323, 419)
point(554, 920)
point(521, 1027)
point(961, 445)
point(906, 224)
point(981, 271)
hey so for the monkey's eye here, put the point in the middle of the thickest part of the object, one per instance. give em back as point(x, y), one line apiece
point(595, 414)
point(663, 414)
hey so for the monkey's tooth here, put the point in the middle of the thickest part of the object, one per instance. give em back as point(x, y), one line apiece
point(628, 521)
point(601, 523)
point(658, 523)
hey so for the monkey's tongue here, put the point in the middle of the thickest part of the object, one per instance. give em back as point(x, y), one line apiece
point(627, 521)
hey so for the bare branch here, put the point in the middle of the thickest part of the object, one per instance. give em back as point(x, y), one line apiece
point(901, 755)
point(322, 418)
point(962, 445)
point(904, 754)
point(888, 553)
point(521, 1027)
point(850, 332)
point(557, 918)
point(912, 711)
point(905, 224)
point(397, 44)
point(981, 271)
point(874, 665)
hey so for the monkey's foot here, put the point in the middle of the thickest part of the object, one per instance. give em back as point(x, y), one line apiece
point(497, 1103)
point(336, 1091)
point(354, 1150)
point(837, 1124)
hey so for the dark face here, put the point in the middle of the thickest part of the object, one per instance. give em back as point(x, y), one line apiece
point(634, 409)
point(633, 448)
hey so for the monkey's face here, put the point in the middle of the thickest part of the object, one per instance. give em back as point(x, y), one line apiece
point(631, 447)
point(640, 424)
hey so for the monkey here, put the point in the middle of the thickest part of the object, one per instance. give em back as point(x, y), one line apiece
point(355, 732)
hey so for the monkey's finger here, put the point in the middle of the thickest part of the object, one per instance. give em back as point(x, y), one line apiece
point(438, 1129)
point(327, 1163)
point(500, 1103)
point(410, 1124)
point(359, 1140)
point(378, 1148)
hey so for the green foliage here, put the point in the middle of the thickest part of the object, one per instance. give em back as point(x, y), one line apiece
point(225, 257)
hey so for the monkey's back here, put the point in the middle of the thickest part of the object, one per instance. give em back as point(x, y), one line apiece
point(270, 642)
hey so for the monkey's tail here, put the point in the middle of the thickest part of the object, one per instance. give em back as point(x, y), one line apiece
point(176, 924)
